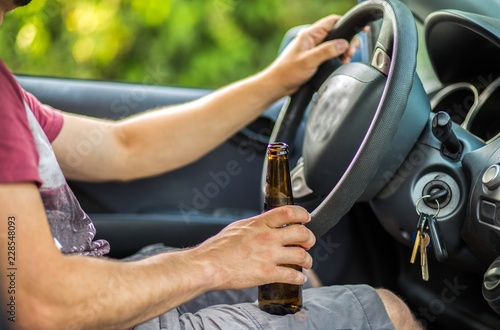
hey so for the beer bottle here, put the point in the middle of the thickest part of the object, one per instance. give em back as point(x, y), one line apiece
point(279, 298)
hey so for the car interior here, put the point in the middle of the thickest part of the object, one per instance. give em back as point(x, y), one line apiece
point(401, 143)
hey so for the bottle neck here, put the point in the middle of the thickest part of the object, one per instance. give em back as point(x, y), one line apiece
point(278, 182)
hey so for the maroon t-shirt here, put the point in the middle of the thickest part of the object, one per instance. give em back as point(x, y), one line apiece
point(26, 130)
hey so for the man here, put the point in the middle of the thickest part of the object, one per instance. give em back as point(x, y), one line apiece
point(59, 286)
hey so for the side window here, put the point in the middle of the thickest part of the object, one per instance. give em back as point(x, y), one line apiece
point(203, 43)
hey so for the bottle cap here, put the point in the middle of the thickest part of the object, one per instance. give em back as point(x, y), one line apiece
point(277, 148)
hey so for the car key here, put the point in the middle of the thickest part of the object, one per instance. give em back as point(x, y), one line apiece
point(418, 238)
point(421, 221)
point(424, 242)
point(437, 242)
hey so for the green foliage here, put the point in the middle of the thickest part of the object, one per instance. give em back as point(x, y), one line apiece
point(204, 43)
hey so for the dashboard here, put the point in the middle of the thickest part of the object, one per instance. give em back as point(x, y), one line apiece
point(474, 108)
point(463, 53)
point(463, 50)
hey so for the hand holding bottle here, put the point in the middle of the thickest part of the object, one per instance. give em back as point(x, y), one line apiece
point(279, 298)
point(250, 252)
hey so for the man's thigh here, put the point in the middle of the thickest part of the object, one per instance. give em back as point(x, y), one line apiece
point(224, 297)
point(336, 307)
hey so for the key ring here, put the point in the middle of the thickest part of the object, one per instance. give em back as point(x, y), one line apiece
point(421, 199)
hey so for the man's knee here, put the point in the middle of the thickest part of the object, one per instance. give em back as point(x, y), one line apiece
point(398, 311)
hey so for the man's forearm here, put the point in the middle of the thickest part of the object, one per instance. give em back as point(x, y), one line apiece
point(173, 137)
point(92, 293)
point(56, 291)
point(104, 294)
point(163, 140)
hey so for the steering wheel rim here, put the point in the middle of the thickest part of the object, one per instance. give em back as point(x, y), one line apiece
point(398, 40)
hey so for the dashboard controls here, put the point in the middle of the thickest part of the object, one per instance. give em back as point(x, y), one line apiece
point(491, 178)
point(491, 285)
point(442, 130)
point(487, 212)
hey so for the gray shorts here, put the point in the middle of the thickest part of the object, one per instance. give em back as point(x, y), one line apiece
point(333, 307)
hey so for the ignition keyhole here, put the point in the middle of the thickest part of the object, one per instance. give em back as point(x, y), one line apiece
point(439, 191)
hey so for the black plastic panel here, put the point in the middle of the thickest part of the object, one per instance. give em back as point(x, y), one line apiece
point(476, 38)
point(422, 8)
point(481, 230)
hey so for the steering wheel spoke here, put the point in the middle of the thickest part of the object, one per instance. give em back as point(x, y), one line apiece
point(381, 58)
point(299, 184)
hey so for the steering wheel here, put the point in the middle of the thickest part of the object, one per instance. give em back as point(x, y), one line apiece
point(356, 111)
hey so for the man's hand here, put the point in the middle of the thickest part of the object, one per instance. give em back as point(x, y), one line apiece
point(301, 58)
point(250, 252)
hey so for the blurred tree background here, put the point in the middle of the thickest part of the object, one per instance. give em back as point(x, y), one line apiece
point(204, 43)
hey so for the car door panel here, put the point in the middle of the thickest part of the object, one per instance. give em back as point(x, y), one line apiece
point(179, 208)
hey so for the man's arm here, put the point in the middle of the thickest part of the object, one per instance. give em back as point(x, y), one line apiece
point(166, 139)
point(54, 291)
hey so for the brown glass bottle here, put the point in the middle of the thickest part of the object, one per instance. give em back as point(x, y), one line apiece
point(279, 298)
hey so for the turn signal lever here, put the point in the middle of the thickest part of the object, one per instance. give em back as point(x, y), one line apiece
point(442, 130)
